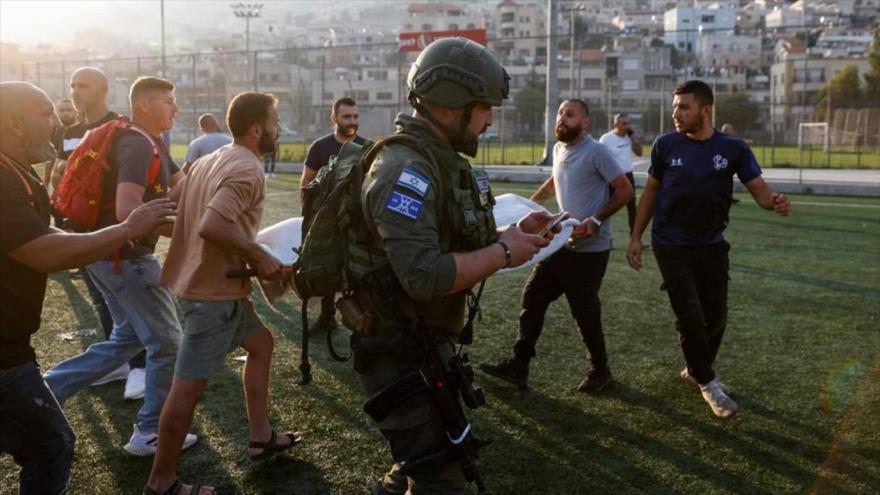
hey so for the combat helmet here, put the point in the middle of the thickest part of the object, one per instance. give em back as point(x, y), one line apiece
point(456, 73)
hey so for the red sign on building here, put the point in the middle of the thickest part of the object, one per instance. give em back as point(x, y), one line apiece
point(416, 41)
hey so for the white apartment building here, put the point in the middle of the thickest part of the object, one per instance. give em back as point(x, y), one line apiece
point(683, 25)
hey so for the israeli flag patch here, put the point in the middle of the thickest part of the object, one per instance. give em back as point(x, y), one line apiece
point(414, 181)
point(404, 205)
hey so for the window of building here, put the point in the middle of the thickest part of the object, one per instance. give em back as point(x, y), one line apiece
point(710, 19)
point(377, 75)
point(453, 27)
point(631, 64)
point(630, 85)
point(427, 27)
point(328, 95)
point(592, 83)
point(508, 17)
point(471, 25)
point(384, 95)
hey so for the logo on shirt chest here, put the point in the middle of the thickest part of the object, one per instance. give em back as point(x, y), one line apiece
point(676, 162)
point(720, 163)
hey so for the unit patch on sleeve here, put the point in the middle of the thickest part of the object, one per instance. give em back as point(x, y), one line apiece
point(414, 181)
point(404, 205)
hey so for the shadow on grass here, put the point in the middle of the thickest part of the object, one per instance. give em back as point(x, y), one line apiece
point(823, 283)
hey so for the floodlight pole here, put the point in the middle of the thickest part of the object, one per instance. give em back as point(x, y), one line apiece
point(248, 11)
point(552, 84)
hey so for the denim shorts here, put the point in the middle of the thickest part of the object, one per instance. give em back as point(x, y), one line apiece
point(212, 329)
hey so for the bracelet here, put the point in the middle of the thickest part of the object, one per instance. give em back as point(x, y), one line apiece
point(596, 221)
point(127, 235)
point(507, 256)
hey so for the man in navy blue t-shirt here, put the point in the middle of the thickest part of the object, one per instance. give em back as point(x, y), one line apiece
point(688, 193)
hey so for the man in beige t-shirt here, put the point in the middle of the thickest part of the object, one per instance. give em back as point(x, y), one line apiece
point(219, 210)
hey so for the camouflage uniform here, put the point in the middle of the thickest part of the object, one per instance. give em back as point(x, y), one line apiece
point(423, 208)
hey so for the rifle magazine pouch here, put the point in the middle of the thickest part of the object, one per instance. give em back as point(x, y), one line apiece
point(384, 402)
point(354, 317)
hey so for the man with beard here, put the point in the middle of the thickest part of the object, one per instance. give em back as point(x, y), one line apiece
point(688, 194)
point(434, 238)
point(142, 310)
point(344, 117)
point(33, 429)
point(67, 115)
point(220, 207)
point(582, 171)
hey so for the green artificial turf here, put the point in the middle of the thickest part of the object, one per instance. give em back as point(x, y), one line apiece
point(802, 356)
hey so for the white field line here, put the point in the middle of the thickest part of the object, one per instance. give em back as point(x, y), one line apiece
point(745, 202)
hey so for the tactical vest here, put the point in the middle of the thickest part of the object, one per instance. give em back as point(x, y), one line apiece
point(465, 219)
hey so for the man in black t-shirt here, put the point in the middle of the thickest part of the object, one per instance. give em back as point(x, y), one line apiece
point(33, 429)
point(143, 311)
point(344, 117)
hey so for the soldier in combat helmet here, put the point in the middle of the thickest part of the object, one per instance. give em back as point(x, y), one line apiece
point(433, 239)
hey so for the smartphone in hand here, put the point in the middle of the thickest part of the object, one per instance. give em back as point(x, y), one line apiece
point(553, 222)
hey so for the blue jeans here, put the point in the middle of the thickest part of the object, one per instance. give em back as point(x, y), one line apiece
point(100, 306)
point(34, 431)
point(143, 316)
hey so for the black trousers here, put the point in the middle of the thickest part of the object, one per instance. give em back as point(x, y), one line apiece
point(579, 277)
point(695, 277)
point(631, 206)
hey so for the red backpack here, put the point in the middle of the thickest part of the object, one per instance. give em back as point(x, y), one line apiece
point(79, 194)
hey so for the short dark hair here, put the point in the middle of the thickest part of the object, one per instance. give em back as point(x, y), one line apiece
point(343, 101)
point(205, 118)
point(581, 103)
point(246, 109)
point(701, 91)
point(146, 84)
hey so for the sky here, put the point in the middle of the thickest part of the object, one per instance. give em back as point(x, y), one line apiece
point(29, 22)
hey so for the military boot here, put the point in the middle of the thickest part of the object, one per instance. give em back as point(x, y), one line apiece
point(514, 371)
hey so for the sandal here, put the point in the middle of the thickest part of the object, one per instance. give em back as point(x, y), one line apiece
point(174, 489)
point(271, 448)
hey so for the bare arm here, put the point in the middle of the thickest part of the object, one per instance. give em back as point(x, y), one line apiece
point(767, 198)
point(308, 175)
point(57, 172)
point(60, 251)
point(636, 146)
point(547, 190)
point(228, 236)
point(643, 216)
point(623, 192)
point(128, 197)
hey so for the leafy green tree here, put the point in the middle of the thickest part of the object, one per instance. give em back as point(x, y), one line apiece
point(529, 105)
point(738, 110)
point(843, 88)
point(872, 76)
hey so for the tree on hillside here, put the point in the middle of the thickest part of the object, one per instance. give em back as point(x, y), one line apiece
point(738, 110)
point(872, 76)
point(844, 88)
point(529, 105)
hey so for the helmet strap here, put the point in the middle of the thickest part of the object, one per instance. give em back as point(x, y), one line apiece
point(457, 137)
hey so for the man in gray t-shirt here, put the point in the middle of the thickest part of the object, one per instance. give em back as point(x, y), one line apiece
point(583, 169)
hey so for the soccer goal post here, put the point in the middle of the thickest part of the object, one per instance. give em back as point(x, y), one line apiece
point(812, 133)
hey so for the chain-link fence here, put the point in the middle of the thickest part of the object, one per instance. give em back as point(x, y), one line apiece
point(786, 123)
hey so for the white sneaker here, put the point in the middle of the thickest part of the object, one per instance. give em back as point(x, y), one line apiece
point(722, 405)
point(119, 373)
point(136, 384)
point(144, 444)
point(693, 381)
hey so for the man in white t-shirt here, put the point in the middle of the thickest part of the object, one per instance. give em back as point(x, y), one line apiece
point(623, 147)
